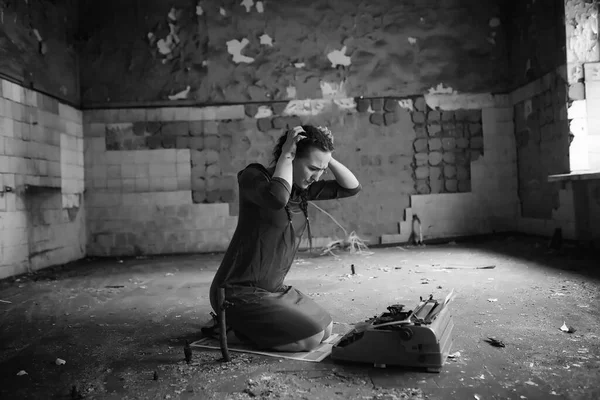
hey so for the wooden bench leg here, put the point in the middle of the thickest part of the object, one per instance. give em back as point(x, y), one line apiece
point(223, 325)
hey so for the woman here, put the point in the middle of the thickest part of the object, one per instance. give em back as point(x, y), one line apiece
point(272, 218)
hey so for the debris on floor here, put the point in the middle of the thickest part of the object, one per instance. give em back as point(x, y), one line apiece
point(567, 329)
point(495, 342)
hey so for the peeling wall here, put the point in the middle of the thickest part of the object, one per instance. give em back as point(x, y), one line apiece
point(233, 52)
point(537, 39)
point(38, 46)
point(172, 171)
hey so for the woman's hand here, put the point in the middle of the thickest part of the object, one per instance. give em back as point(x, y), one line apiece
point(288, 149)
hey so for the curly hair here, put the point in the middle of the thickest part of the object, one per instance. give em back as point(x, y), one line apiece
point(318, 137)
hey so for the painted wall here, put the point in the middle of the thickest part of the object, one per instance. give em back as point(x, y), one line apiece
point(38, 47)
point(241, 51)
point(42, 219)
point(536, 37)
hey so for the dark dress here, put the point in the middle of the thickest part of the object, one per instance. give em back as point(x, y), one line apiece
point(262, 309)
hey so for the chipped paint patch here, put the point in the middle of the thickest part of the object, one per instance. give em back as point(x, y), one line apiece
point(339, 57)
point(222, 12)
point(299, 65)
point(494, 22)
point(347, 104)
point(263, 112)
point(307, 107)
point(412, 40)
point(440, 89)
point(266, 40)
point(407, 104)
point(181, 95)
point(260, 7)
point(333, 90)
point(199, 10)
point(235, 47)
point(248, 4)
point(298, 107)
point(456, 101)
point(291, 92)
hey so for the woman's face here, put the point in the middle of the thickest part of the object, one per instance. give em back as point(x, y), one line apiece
point(309, 168)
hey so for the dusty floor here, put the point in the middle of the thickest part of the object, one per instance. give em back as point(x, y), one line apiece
point(113, 339)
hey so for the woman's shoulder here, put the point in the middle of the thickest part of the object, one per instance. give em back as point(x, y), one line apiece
point(254, 169)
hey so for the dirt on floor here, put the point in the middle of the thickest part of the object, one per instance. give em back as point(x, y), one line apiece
point(115, 328)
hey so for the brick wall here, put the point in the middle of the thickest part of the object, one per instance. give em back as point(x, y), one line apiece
point(542, 133)
point(543, 146)
point(481, 165)
point(41, 181)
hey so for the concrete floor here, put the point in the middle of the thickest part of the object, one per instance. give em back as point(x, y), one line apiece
point(114, 339)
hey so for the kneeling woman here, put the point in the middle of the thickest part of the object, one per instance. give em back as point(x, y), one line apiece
point(272, 218)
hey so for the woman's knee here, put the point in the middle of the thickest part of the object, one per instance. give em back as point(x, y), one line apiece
point(314, 341)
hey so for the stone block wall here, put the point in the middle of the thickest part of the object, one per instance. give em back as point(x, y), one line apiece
point(446, 143)
point(543, 145)
point(42, 220)
point(489, 203)
point(429, 156)
point(542, 134)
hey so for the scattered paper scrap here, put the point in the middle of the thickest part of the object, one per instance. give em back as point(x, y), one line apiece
point(60, 361)
point(454, 355)
point(567, 329)
point(21, 373)
point(530, 383)
point(492, 300)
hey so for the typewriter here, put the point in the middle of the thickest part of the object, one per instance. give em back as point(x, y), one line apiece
point(419, 338)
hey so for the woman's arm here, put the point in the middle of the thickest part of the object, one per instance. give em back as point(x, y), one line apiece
point(257, 187)
point(343, 175)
